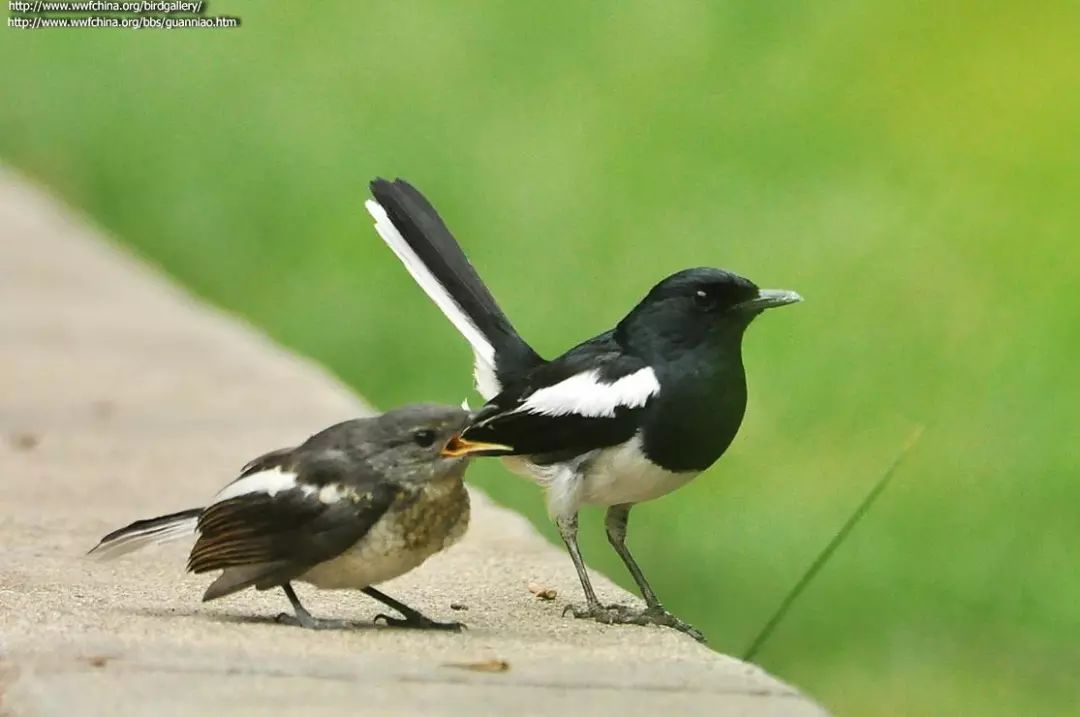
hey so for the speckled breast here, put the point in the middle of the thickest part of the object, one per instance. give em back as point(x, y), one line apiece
point(412, 531)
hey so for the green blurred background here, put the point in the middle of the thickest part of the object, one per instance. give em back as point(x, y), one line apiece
point(910, 167)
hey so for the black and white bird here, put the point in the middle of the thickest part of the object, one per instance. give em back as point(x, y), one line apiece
point(355, 505)
point(622, 418)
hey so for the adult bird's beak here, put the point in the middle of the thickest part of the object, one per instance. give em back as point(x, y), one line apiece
point(768, 299)
point(458, 447)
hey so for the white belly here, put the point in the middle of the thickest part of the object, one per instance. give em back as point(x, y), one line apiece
point(608, 476)
point(622, 474)
point(379, 557)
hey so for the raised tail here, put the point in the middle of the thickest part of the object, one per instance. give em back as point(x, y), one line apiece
point(412, 228)
point(152, 531)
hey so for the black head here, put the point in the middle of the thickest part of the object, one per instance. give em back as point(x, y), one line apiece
point(695, 307)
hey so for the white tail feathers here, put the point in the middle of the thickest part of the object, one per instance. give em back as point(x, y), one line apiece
point(484, 367)
point(155, 531)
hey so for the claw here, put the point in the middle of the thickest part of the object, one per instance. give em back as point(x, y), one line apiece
point(624, 615)
point(660, 616)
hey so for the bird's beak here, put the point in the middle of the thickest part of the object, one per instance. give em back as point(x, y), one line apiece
point(768, 299)
point(458, 447)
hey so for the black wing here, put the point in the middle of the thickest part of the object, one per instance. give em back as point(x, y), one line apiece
point(335, 503)
point(555, 433)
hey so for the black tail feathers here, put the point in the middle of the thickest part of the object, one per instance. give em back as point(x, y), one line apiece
point(427, 235)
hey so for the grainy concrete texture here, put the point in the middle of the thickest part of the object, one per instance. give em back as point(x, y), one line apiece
point(121, 397)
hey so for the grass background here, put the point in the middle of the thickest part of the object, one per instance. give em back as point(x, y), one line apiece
point(910, 167)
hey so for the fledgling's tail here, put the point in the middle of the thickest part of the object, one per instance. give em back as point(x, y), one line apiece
point(408, 223)
point(152, 531)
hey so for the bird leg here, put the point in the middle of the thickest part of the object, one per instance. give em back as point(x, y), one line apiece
point(653, 614)
point(592, 609)
point(615, 522)
point(413, 618)
point(568, 530)
point(305, 619)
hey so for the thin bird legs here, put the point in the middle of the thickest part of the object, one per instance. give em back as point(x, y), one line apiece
point(615, 523)
point(568, 530)
point(413, 618)
point(654, 613)
point(305, 619)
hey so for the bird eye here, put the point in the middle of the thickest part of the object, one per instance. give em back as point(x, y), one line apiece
point(704, 300)
point(424, 438)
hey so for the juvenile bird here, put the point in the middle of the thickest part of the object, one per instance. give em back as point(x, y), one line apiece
point(622, 418)
point(357, 504)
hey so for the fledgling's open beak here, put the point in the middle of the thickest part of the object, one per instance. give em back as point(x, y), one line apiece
point(458, 447)
point(768, 299)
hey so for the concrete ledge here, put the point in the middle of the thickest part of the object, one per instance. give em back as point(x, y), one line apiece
point(122, 397)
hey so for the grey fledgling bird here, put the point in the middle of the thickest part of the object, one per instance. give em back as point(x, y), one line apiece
point(357, 504)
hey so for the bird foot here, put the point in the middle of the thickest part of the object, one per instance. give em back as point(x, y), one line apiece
point(624, 615)
point(659, 616)
point(606, 614)
point(305, 620)
point(418, 622)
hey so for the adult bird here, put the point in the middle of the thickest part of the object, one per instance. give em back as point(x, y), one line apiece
point(622, 418)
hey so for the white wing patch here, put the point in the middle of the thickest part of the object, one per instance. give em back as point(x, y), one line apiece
point(275, 480)
point(484, 368)
point(271, 482)
point(586, 395)
point(333, 492)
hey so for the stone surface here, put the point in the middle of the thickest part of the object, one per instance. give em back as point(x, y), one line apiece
point(121, 397)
